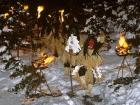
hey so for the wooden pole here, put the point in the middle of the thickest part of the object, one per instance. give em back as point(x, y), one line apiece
point(46, 83)
point(71, 75)
point(121, 67)
point(129, 68)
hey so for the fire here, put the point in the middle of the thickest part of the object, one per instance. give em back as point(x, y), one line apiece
point(26, 7)
point(43, 61)
point(62, 15)
point(49, 59)
point(39, 10)
point(122, 41)
point(122, 47)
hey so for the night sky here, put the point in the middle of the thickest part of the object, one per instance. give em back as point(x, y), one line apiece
point(50, 5)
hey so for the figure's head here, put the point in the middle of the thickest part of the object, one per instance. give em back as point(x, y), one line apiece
point(91, 43)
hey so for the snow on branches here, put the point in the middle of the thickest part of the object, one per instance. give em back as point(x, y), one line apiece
point(3, 48)
point(6, 29)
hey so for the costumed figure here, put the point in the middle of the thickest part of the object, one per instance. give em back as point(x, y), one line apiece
point(88, 62)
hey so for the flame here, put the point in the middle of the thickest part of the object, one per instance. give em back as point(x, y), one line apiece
point(43, 61)
point(62, 15)
point(39, 10)
point(49, 59)
point(122, 42)
point(26, 7)
point(122, 46)
point(5, 15)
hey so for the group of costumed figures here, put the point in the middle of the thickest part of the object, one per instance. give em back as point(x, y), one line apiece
point(80, 54)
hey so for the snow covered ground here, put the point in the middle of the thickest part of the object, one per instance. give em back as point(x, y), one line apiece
point(124, 95)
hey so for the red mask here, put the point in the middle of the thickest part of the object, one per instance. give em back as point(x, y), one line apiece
point(91, 43)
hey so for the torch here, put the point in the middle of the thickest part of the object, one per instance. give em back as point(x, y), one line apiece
point(62, 15)
point(25, 7)
point(122, 49)
point(39, 10)
point(5, 15)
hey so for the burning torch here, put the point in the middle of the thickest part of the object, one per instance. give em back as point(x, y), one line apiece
point(25, 7)
point(5, 15)
point(39, 10)
point(62, 15)
point(122, 47)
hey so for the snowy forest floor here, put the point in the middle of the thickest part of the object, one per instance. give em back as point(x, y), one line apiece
point(124, 95)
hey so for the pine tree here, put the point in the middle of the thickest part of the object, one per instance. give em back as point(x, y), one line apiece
point(31, 80)
point(128, 15)
point(13, 30)
point(118, 13)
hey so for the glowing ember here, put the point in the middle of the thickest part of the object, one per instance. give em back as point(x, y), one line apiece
point(39, 10)
point(26, 7)
point(122, 46)
point(62, 15)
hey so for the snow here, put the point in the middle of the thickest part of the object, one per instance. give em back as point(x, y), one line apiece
point(88, 10)
point(7, 98)
point(88, 20)
point(120, 1)
point(130, 35)
point(86, 28)
point(97, 73)
point(0, 32)
point(124, 17)
point(131, 7)
point(11, 19)
point(70, 102)
point(76, 69)
point(73, 44)
point(132, 22)
point(3, 78)
point(138, 28)
point(114, 12)
point(17, 80)
point(2, 48)
point(125, 95)
point(121, 13)
point(107, 8)
point(6, 56)
point(6, 29)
